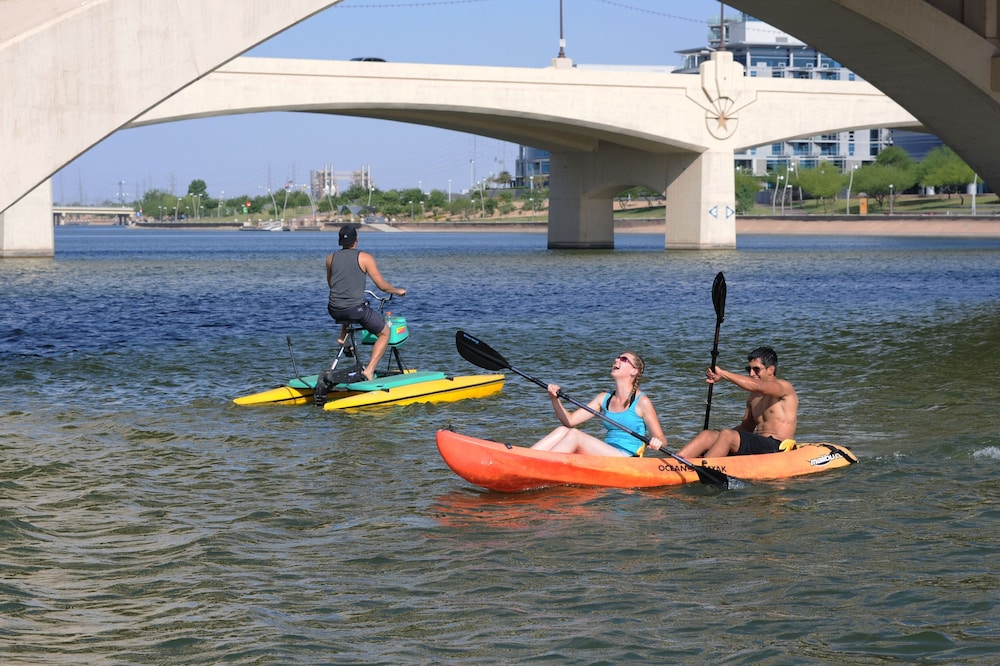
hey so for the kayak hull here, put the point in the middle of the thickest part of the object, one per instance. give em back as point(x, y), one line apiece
point(443, 389)
point(505, 468)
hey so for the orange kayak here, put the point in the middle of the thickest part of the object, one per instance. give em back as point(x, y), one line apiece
point(508, 468)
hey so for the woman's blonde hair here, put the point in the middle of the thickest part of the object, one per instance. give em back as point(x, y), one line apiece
point(640, 365)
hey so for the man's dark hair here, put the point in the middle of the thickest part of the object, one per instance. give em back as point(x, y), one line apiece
point(765, 355)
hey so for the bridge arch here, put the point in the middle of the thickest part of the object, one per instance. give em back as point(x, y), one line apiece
point(74, 72)
point(660, 129)
point(940, 59)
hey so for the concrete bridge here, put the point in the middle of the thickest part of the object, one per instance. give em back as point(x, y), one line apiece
point(69, 214)
point(606, 131)
point(668, 134)
point(940, 59)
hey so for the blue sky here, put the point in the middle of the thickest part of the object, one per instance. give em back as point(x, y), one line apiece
point(246, 154)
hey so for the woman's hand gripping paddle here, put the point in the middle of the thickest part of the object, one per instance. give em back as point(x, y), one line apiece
point(479, 353)
point(719, 301)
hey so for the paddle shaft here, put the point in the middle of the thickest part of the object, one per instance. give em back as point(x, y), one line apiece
point(719, 303)
point(583, 406)
point(715, 358)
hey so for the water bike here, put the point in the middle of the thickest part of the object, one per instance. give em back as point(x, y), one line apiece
point(343, 386)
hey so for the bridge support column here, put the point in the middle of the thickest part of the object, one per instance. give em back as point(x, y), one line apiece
point(701, 202)
point(577, 220)
point(26, 227)
point(582, 187)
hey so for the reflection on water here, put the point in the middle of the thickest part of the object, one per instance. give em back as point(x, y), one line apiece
point(144, 518)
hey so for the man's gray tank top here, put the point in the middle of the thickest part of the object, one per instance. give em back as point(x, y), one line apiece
point(347, 280)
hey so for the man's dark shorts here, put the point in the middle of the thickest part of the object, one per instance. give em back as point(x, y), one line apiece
point(363, 314)
point(751, 442)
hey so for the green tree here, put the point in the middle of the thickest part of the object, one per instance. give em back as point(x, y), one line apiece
point(824, 182)
point(894, 156)
point(747, 187)
point(158, 204)
point(875, 180)
point(437, 199)
point(945, 171)
point(197, 188)
point(892, 167)
point(463, 207)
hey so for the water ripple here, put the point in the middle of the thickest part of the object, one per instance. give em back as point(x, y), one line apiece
point(146, 519)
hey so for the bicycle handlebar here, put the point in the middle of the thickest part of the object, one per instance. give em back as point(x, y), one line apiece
point(382, 300)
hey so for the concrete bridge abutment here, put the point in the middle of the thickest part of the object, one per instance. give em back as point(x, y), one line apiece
point(26, 228)
point(701, 202)
point(699, 189)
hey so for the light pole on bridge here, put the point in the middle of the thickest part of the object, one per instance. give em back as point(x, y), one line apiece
point(562, 41)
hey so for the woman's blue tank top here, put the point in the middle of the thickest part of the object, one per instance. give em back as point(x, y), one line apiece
point(617, 437)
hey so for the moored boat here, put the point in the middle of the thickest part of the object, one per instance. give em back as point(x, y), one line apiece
point(507, 468)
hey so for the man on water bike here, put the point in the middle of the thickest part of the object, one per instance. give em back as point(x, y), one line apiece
point(771, 415)
point(346, 273)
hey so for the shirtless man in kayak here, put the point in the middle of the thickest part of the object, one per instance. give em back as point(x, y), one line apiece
point(770, 417)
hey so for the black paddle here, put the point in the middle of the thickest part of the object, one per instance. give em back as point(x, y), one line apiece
point(479, 353)
point(719, 301)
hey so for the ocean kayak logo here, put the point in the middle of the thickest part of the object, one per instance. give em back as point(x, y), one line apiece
point(674, 467)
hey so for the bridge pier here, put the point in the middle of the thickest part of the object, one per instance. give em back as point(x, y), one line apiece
point(26, 227)
point(699, 188)
point(701, 202)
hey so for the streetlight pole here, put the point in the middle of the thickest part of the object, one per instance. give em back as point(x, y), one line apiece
point(411, 210)
point(790, 188)
point(312, 204)
point(850, 184)
point(890, 198)
point(222, 194)
point(975, 188)
point(274, 204)
point(774, 195)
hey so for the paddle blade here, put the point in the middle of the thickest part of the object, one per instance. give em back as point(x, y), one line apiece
point(719, 297)
point(477, 352)
point(713, 477)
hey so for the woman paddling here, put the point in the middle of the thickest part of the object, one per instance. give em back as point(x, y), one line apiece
point(626, 405)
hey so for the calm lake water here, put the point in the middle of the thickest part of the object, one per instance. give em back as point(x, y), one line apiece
point(145, 519)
